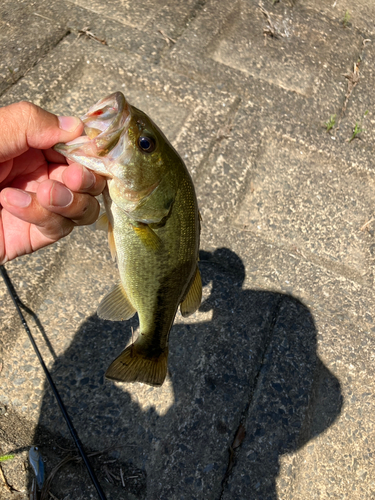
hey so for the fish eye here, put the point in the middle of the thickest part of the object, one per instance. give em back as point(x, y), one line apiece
point(147, 144)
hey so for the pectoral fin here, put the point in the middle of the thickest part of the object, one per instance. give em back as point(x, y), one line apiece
point(111, 241)
point(116, 305)
point(194, 296)
point(102, 223)
point(148, 237)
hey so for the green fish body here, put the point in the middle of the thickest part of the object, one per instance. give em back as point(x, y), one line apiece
point(153, 229)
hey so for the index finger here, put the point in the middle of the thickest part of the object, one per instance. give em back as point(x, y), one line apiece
point(24, 125)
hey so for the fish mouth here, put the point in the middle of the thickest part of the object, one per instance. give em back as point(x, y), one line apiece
point(105, 126)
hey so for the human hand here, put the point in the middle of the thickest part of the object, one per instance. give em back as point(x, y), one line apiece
point(41, 197)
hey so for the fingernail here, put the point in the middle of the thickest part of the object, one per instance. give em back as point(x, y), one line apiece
point(88, 179)
point(60, 196)
point(69, 123)
point(18, 198)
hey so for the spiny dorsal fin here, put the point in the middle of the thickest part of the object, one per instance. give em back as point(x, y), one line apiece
point(116, 305)
point(194, 296)
point(148, 237)
point(133, 366)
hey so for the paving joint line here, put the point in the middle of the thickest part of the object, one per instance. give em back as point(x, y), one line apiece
point(323, 262)
point(354, 77)
point(232, 460)
point(233, 110)
point(36, 62)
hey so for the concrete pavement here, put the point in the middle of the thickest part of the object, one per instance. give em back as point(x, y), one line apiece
point(270, 393)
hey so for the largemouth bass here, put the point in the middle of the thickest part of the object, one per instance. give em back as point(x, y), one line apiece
point(153, 230)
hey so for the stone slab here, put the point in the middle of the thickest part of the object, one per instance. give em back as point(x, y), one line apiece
point(361, 13)
point(277, 423)
point(276, 458)
point(288, 201)
point(360, 108)
point(221, 47)
point(45, 266)
point(306, 191)
point(24, 39)
point(339, 470)
point(290, 59)
point(334, 459)
point(30, 30)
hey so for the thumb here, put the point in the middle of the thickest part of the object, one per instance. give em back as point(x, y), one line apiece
point(24, 125)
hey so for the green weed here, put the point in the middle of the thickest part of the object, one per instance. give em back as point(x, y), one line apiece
point(358, 128)
point(345, 19)
point(331, 123)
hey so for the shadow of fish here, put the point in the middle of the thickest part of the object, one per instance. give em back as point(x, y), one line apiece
point(153, 230)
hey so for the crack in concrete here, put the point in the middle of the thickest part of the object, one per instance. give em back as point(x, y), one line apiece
point(214, 141)
point(232, 460)
point(353, 78)
point(42, 55)
point(178, 31)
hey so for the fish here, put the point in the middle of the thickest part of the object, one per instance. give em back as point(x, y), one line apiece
point(153, 223)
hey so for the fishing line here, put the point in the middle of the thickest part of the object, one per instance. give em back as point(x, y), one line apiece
point(69, 423)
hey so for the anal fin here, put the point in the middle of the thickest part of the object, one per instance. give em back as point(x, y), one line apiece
point(116, 305)
point(194, 296)
point(135, 366)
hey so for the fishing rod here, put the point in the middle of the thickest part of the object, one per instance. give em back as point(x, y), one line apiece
point(17, 302)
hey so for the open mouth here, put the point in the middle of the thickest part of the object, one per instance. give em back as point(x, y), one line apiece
point(105, 128)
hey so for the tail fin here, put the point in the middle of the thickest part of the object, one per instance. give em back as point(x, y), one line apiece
point(133, 366)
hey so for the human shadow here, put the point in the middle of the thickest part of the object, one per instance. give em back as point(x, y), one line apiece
point(252, 360)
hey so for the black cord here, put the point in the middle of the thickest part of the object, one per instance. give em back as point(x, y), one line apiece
point(69, 423)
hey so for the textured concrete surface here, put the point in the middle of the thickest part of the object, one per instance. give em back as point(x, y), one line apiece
point(270, 391)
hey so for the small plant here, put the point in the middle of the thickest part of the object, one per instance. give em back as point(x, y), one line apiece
point(6, 457)
point(358, 128)
point(12, 74)
point(345, 19)
point(331, 123)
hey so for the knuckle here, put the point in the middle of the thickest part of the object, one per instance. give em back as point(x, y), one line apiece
point(27, 112)
point(26, 108)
